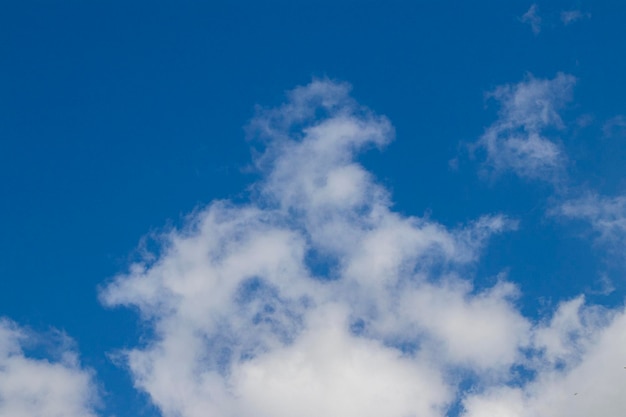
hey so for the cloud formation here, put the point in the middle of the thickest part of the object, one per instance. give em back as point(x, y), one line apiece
point(31, 386)
point(518, 141)
point(316, 298)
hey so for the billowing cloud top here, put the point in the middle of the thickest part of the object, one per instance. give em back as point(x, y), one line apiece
point(316, 298)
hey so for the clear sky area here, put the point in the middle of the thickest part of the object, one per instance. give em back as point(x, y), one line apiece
point(312, 208)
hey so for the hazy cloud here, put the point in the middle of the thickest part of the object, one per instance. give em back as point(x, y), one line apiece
point(572, 16)
point(615, 127)
point(532, 18)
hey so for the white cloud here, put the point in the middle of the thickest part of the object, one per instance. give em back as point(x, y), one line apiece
point(482, 331)
point(568, 332)
point(245, 321)
point(532, 18)
point(32, 387)
point(328, 371)
point(517, 141)
point(315, 298)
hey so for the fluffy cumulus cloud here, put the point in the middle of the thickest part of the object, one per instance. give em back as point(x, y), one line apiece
point(38, 387)
point(521, 139)
point(316, 298)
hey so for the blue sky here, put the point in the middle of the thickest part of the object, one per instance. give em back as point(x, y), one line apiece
point(204, 200)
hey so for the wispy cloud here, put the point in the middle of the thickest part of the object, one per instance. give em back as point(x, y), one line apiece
point(316, 298)
point(516, 141)
point(532, 18)
point(41, 387)
point(606, 215)
point(571, 16)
